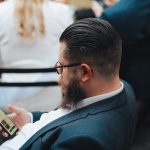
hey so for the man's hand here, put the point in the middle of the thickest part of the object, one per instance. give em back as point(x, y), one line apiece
point(4, 134)
point(19, 116)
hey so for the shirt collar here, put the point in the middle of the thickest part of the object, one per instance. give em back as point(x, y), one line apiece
point(91, 100)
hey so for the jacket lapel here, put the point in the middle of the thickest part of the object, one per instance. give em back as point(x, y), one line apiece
point(101, 106)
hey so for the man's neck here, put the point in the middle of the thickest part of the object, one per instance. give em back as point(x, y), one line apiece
point(98, 87)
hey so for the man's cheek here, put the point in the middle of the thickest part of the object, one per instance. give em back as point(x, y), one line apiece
point(63, 86)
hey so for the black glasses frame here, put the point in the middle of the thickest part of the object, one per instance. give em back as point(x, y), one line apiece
point(59, 68)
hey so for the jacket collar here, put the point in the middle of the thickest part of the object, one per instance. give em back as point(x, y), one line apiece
point(98, 107)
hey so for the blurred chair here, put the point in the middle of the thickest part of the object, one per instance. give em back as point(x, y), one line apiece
point(45, 100)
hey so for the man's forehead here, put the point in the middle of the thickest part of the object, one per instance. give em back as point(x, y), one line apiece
point(62, 47)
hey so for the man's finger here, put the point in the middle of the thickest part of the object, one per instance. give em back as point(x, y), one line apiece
point(5, 134)
point(12, 116)
point(14, 109)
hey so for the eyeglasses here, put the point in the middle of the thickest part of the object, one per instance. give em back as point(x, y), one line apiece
point(59, 67)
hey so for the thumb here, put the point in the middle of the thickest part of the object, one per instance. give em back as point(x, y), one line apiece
point(14, 109)
point(12, 116)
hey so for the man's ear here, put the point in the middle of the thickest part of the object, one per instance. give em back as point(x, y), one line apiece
point(86, 72)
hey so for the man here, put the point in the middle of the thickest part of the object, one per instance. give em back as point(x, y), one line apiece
point(98, 110)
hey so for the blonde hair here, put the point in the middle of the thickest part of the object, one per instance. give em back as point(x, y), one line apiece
point(30, 19)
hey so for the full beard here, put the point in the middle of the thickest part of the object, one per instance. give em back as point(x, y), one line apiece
point(72, 93)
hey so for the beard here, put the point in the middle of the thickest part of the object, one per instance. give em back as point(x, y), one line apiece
point(72, 93)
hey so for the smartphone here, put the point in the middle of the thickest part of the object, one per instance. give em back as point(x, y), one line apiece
point(8, 126)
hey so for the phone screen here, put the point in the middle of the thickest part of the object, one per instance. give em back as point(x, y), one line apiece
point(8, 126)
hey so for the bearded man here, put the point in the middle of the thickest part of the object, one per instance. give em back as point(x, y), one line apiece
point(98, 110)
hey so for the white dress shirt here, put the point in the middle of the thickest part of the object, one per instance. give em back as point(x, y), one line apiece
point(31, 128)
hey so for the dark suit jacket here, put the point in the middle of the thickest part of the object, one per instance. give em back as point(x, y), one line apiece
point(130, 18)
point(105, 125)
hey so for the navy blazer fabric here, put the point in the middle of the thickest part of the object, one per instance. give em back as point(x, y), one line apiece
point(105, 125)
point(130, 18)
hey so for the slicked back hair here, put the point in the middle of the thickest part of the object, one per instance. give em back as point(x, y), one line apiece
point(95, 42)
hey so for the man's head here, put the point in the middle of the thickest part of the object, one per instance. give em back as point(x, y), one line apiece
point(93, 48)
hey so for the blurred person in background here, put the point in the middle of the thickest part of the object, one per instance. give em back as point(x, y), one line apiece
point(97, 7)
point(130, 18)
point(29, 37)
point(132, 21)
